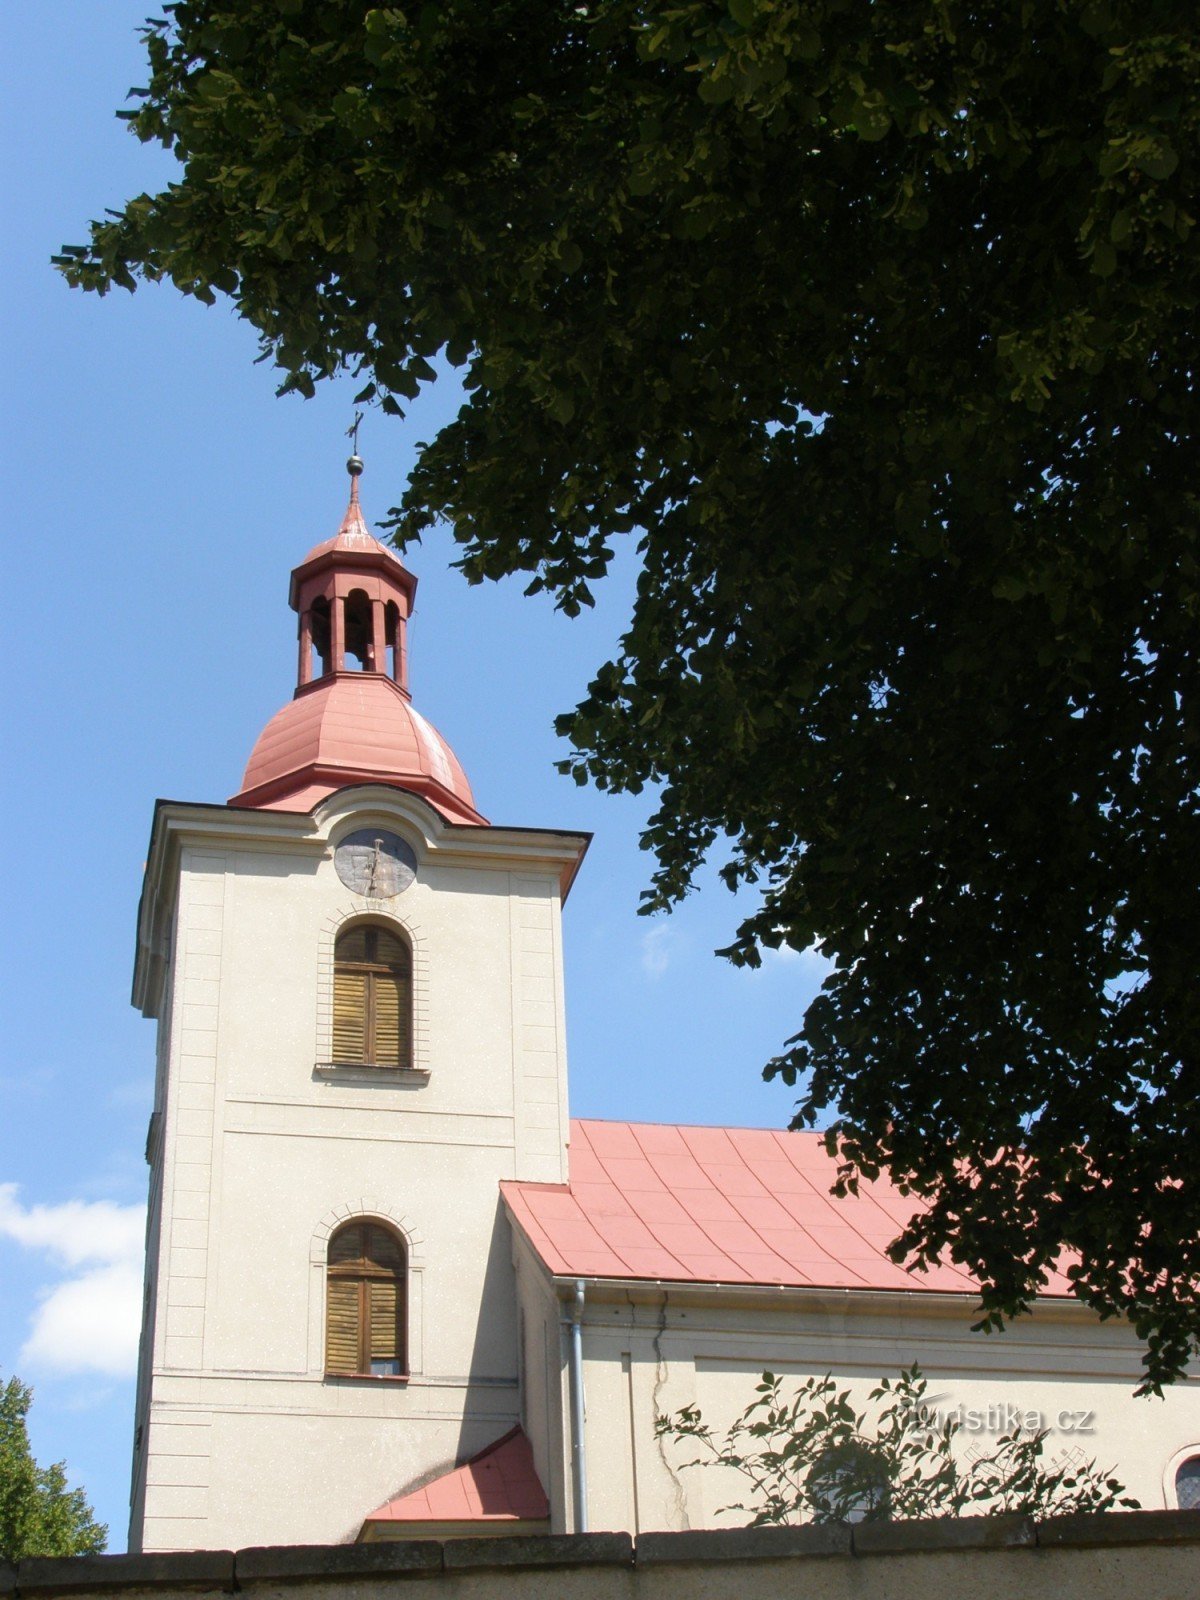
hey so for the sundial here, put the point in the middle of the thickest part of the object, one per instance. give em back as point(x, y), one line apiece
point(375, 863)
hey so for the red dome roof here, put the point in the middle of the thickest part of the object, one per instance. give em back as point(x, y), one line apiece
point(353, 727)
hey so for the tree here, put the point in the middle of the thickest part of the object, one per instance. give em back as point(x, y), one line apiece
point(875, 326)
point(814, 1458)
point(39, 1515)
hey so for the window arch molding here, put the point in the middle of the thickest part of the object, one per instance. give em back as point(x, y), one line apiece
point(365, 1210)
point(407, 929)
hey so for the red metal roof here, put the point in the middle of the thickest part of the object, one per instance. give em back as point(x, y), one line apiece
point(500, 1484)
point(353, 535)
point(352, 727)
point(719, 1205)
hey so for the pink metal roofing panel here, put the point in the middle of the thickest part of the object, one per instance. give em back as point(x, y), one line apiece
point(719, 1205)
point(500, 1484)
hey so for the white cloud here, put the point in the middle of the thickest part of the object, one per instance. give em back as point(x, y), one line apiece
point(89, 1321)
point(77, 1231)
point(656, 950)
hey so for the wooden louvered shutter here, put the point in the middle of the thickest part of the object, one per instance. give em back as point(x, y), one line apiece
point(349, 1015)
point(389, 951)
point(382, 1249)
point(342, 1324)
point(390, 1017)
point(365, 1316)
point(372, 998)
point(383, 1296)
point(352, 946)
point(384, 1261)
point(346, 1246)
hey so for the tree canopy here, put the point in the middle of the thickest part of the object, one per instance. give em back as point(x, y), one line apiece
point(873, 325)
point(39, 1515)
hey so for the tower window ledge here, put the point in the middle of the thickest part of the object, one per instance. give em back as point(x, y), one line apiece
point(363, 1072)
point(367, 1377)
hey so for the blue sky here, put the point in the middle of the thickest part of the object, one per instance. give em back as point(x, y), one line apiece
point(157, 494)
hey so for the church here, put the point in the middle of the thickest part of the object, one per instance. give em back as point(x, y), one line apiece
point(392, 1290)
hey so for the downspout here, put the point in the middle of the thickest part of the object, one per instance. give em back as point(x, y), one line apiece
point(578, 1452)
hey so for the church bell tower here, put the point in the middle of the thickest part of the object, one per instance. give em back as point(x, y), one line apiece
point(357, 981)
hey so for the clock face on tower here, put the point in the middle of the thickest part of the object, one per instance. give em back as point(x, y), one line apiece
point(375, 863)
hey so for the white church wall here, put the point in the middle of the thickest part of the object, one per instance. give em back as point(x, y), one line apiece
point(664, 1349)
point(544, 1399)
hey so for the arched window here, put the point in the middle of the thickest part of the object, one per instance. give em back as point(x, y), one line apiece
point(365, 1302)
point(1187, 1484)
point(372, 998)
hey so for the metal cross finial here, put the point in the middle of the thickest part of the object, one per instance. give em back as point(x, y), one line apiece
point(355, 465)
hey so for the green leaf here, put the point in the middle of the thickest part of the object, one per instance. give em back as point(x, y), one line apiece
point(871, 119)
point(1158, 160)
point(1104, 259)
point(1121, 227)
point(716, 91)
point(1010, 589)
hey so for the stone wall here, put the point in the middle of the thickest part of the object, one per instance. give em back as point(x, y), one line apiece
point(1153, 1555)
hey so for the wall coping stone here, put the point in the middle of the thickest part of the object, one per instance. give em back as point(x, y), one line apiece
point(743, 1544)
point(305, 1561)
point(540, 1550)
point(214, 1570)
point(175, 1569)
point(1007, 1531)
point(1120, 1527)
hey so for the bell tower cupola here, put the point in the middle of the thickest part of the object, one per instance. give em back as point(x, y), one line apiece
point(351, 719)
point(354, 599)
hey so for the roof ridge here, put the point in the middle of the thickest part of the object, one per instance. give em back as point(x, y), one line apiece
point(489, 1449)
point(704, 1127)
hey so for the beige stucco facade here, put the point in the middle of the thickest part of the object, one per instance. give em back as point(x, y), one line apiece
point(258, 1150)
